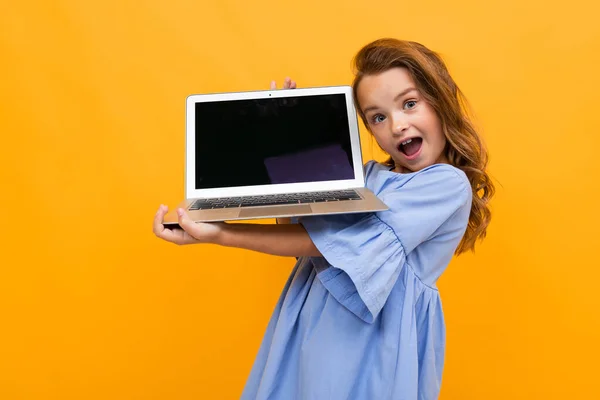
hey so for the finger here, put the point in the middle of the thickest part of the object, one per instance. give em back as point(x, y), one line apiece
point(273, 85)
point(163, 233)
point(186, 223)
point(286, 83)
point(293, 85)
point(158, 226)
point(159, 229)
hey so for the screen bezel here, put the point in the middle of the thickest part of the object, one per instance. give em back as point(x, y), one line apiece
point(190, 157)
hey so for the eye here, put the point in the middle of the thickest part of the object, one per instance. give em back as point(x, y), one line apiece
point(410, 104)
point(377, 118)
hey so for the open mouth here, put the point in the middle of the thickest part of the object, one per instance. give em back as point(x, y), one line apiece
point(411, 147)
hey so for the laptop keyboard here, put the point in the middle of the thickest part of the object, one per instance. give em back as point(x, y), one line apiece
point(272, 200)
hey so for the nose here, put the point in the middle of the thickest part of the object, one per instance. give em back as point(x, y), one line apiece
point(399, 124)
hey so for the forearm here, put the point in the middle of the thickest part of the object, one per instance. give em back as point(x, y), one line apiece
point(280, 240)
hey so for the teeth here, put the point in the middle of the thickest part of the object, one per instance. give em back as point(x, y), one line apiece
point(406, 142)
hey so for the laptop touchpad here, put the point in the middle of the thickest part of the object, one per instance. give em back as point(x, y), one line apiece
point(275, 211)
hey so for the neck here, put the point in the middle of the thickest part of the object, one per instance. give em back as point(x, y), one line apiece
point(402, 170)
point(443, 160)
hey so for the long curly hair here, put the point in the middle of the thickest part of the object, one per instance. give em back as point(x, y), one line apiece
point(464, 148)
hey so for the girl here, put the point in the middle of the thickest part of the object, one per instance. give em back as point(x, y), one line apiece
point(360, 316)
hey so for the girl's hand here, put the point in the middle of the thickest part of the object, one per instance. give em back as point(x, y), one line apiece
point(288, 83)
point(280, 240)
point(191, 231)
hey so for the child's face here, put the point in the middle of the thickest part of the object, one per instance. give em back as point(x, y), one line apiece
point(403, 123)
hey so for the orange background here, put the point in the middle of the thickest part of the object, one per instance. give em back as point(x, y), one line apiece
point(93, 306)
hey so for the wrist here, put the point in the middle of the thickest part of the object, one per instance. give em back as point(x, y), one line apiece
point(221, 234)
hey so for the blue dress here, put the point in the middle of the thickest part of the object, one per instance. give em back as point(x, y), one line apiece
point(365, 321)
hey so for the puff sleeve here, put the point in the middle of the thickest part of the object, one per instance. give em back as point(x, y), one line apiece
point(363, 254)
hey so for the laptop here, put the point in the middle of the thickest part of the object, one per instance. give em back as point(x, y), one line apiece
point(273, 154)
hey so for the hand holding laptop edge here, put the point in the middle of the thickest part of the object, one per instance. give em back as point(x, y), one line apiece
point(280, 240)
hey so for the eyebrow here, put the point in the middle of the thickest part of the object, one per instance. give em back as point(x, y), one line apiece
point(401, 94)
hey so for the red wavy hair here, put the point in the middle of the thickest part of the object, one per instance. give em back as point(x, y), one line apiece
point(465, 148)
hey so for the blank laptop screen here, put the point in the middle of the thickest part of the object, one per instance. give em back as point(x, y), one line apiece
point(272, 141)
